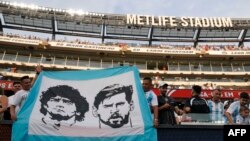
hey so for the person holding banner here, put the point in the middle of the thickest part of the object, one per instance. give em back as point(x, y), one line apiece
point(20, 97)
point(151, 98)
point(112, 105)
point(16, 87)
point(62, 105)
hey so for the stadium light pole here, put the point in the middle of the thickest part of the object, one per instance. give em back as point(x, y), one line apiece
point(103, 32)
point(242, 37)
point(1, 27)
point(151, 31)
point(53, 28)
point(196, 37)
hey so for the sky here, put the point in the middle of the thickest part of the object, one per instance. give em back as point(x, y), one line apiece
point(178, 8)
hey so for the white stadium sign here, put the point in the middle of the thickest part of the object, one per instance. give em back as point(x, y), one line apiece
point(171, 21)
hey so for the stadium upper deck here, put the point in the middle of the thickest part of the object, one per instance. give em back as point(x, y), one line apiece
point(177, 67)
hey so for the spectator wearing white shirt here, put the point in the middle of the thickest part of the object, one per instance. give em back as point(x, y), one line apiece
point(20, 97)
point(16, 87)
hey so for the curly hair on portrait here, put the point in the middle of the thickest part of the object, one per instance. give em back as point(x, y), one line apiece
point(82, 106)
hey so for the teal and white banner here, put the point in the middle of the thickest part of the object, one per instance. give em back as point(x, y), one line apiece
point(87, 105)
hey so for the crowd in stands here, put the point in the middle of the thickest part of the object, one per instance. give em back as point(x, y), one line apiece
point(209, 84)
point(198, 109)
point(206, 86)
point(30, 37)
point(222, 47)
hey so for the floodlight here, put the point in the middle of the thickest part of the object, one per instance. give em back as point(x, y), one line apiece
point(71, 12)
point(33, 7)
point(42, 8)
point(59, 10)
point(49, 9)
point(22, 5)
point(15, 4)
point(79, 12)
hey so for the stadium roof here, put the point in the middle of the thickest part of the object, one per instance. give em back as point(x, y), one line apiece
point(114, 26)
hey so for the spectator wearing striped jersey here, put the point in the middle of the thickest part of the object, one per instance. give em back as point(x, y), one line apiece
point(216, 106)
point(233, 110)
point(244, 117)
point(151, 98)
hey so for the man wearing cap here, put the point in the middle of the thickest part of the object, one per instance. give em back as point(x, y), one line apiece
point(166, 107)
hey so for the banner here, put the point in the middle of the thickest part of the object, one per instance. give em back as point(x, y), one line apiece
point(84, 46)
point(230, 53)
point(19, 40)
point(87, 105)
point(161, 51)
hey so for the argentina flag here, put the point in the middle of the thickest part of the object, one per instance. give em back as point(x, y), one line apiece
point(87, 105)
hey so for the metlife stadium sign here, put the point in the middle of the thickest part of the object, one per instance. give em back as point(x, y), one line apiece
point(171, 21)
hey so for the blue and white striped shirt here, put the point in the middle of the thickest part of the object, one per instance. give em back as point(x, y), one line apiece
point(216, 110)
